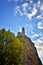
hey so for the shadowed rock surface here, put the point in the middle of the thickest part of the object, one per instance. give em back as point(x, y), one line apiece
point(30, 56)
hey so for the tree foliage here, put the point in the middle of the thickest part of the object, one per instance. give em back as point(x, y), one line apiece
point(11, 49)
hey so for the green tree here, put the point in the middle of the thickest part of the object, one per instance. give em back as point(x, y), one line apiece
point(11, 49)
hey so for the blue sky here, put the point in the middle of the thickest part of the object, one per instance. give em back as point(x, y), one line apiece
point(15, 14)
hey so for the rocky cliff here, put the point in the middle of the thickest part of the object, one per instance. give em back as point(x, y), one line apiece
point(30, 56)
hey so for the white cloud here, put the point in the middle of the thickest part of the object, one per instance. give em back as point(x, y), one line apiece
point(30, 11)
point(29, 16)
point(41, 7)
point(35, 35)
point(25, 11)
point(40, 52)
point(39, 49)
point(24, 6)
point(33, 13)
point(38, 43)
point(31, 1)
point(40, 25)
point(41, 10)
point(39, 17)
point(38, 3)
point(39, 46)
point(17, 10)
point(20, 13)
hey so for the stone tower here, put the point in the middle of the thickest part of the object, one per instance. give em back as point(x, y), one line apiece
point(21, 33)
point(30, 56)
point(23, 30)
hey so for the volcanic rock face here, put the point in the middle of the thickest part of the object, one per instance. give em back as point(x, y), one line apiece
point(30, 56)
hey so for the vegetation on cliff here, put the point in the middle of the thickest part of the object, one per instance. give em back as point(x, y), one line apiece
point(11, 49)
